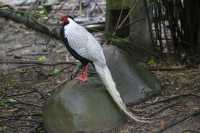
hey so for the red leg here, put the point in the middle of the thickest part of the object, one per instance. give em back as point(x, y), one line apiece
point(84, 74)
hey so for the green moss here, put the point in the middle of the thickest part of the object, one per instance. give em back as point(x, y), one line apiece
point(117, 4)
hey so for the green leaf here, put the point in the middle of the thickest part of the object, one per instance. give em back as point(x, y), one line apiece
point(7, 102)
point(10, 100)
point(55, 71)
point(41, 59)
point(151, 61)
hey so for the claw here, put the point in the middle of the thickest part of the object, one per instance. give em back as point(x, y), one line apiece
point(82, 78)
point(84, 74)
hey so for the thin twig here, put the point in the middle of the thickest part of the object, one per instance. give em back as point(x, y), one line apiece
point(162, 109)
point(119, 18)
point(24, 115)
point(169, 99)
point(190, 131)
point(174, 123)
point(34, 128)
point(21, 94)
point(134, 21)
point(28, 104)
point(124, 20)
point(18, 48)
point(62, 83)
point(175, 68)
point(15, 119)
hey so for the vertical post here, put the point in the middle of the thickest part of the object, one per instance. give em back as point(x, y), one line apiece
point(149, 21)
point(140, 27)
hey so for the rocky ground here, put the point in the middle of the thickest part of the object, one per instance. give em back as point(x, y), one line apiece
point(30, 72)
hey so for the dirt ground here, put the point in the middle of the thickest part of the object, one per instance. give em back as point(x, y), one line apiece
point(25, 85)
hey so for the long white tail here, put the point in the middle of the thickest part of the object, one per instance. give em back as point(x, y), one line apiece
point(109, 83)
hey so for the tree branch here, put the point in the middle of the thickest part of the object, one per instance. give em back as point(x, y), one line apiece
point(29, 21)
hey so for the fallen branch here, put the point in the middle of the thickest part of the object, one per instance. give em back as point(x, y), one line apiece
point(175, 68)
point(28, 104)
point(169, 99)
point(19, 48)
point(21, 94)
point(23, 115)
point(37, 63)
point(29, 21)
point(2, 118)
point(95, 26)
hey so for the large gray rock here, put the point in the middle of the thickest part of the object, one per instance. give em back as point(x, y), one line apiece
point(81, 107)
point(134, 82)
point(87, 107)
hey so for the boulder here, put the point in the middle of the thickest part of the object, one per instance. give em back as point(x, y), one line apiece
point(81, 107)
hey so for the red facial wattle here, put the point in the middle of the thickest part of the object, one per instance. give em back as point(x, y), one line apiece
point(64, 20)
